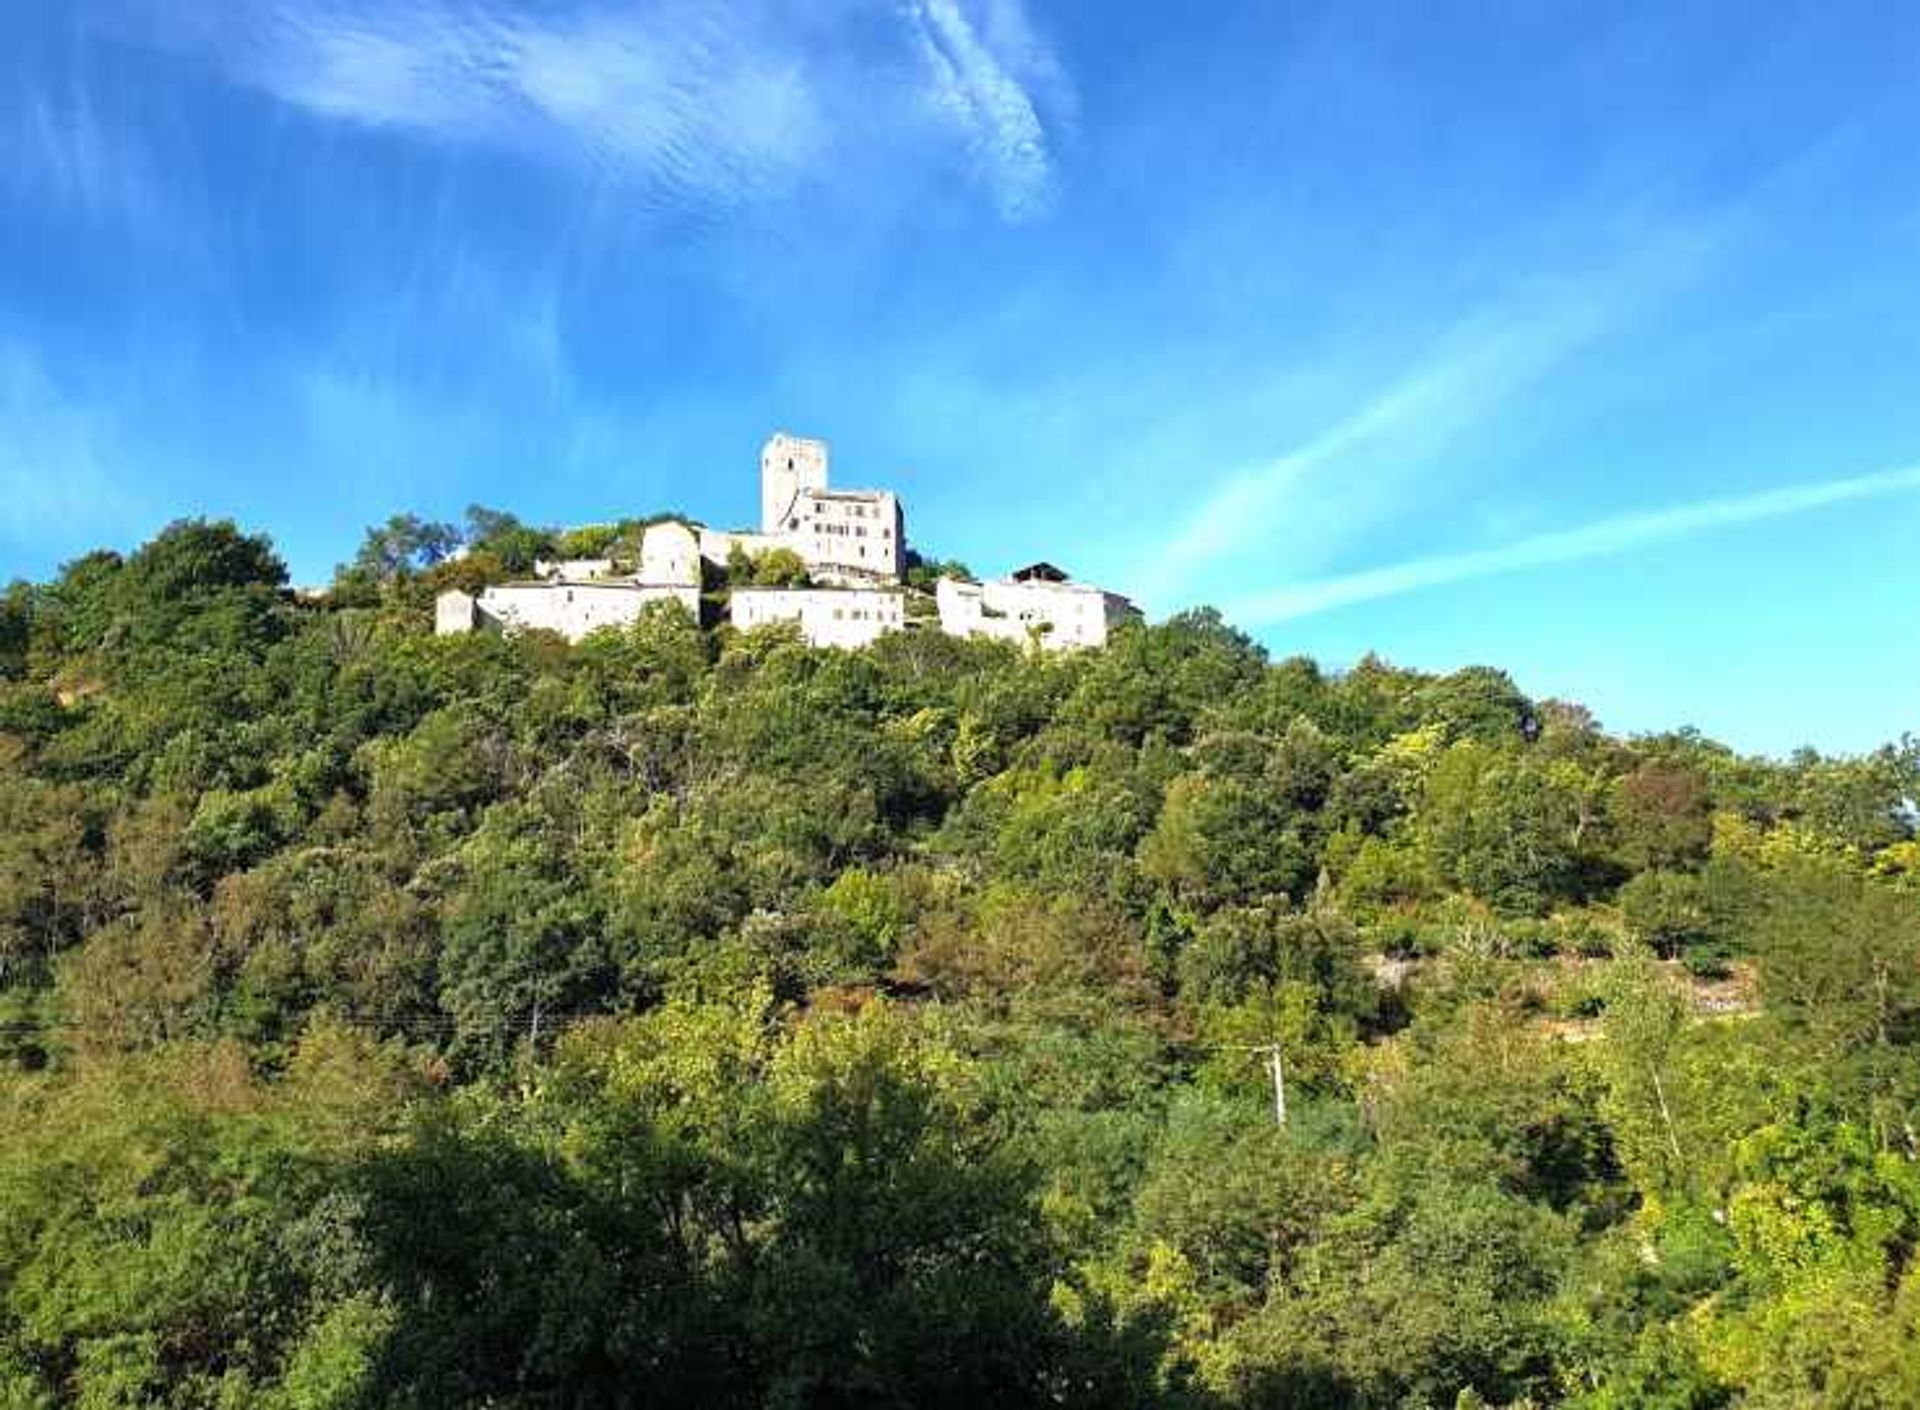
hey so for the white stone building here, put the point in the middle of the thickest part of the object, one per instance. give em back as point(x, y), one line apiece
point(575, 596)
point(454, 612)
point(670, 555)
point(849, 617)
point(854, 546)
point(848, 537)
point(570, 608)
point(1037, 604)
point(790, 466)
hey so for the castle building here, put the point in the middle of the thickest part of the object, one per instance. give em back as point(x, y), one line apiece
point(848, 538)
point(1038, 604)
point(853, 544)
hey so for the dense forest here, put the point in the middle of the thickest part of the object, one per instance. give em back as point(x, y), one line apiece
point(696, 1018)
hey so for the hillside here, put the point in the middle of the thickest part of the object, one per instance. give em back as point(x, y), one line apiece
point(698, 1018)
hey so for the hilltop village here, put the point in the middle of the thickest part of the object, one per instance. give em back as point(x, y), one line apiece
point(848, 585)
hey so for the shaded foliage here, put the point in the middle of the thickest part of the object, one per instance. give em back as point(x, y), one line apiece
point(691, 1018)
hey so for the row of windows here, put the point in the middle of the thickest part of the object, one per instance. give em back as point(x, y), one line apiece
point(881, 552)
point(844, 530)
point(848, 509)
point(857, 530)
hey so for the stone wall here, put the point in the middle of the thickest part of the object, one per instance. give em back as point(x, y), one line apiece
point(849, 617)
point(571, 609)
point(1059, 616)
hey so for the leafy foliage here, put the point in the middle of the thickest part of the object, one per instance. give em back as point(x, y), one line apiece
point(675, 1018)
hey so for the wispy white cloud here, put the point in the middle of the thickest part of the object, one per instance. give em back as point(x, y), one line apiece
point(1404, 444)
point(976, 88)
point(63, 153)
point(1428, 406)
point(1362, 467)
point(1603, 538)
point(679, 102)
point(60, 147)
point(688, 100)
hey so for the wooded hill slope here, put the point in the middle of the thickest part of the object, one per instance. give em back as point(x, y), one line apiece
point(693, 1019)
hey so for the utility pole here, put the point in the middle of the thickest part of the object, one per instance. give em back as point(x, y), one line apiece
point(1276, 1068)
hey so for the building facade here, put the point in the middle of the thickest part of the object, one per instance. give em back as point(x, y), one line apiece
point(848, 617)
point(849, 538)
point(670, 556)
point(570, 608)
point(1038, 605)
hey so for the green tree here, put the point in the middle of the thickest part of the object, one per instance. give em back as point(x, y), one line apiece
point(1239, 950)
point(1513, 830)
point(1661, 816)
point(46, 868)
point(404, 545)
point(1840, 974)
point(16, 629)
point(504, 538)
point(780, 567)
point(197, 556)
point(586, 541)
point(524, 945)
point(925, 573)
point(906, 1267)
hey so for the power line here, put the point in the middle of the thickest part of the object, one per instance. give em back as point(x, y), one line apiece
point(535, 1023)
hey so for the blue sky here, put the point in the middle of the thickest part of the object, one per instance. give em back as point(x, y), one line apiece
point(1580, 339)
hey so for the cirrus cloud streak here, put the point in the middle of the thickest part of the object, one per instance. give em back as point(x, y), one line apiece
point(687, 101)
point(1603, 538)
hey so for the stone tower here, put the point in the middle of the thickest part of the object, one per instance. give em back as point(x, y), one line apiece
point(788, 465)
